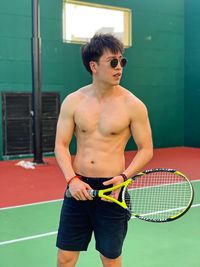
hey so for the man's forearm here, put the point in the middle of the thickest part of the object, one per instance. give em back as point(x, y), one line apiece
point(142, 157)
point(64, 160)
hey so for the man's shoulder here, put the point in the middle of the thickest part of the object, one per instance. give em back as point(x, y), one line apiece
point(77, 94)
point(133, 104)
point(130, 98)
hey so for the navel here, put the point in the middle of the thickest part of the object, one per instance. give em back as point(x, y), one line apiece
point(92, 162)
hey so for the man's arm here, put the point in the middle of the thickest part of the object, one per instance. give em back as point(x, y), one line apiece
point(64, 133)
point(141, 133)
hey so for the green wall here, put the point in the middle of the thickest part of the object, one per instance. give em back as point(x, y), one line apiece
point(155, 71)
point(192, 73)
point(15, 48)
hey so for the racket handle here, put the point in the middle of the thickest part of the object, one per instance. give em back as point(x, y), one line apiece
point(92, 193)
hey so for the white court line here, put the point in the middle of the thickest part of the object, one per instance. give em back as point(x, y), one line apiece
point(46, 202)
point(195, 205)
point(164, 211)
point(47, 234)
point(31, 204)
point(27, 238)
point(50, 233)
point(193, 181)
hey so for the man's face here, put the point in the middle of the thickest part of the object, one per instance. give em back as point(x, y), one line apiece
point(108, 69)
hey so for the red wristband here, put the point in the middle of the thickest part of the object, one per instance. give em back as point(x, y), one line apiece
point(76, 176)
point(124, 176)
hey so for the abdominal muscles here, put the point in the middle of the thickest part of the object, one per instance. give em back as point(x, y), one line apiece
point(100, 156)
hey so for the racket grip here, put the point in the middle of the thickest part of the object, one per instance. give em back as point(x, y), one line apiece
point(93, 193)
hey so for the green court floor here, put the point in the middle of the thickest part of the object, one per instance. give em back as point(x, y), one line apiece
point(28, 234)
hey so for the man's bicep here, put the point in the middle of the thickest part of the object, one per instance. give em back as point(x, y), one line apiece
point(65, 128)
point(141, 129)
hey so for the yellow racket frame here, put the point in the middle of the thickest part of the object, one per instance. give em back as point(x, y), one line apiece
point(125, 184)
point(101, 193)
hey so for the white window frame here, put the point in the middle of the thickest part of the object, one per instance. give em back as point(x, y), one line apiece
point(124, 15)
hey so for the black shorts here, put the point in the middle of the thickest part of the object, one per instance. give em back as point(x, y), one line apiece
point(79, 219)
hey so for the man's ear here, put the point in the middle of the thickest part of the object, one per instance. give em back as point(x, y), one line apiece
point(93, 65)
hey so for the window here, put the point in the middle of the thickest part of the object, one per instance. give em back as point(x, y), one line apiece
point(82, 20)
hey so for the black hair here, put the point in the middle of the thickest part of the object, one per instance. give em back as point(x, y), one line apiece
point(95, 48)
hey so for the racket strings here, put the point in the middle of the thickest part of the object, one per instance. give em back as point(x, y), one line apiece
point(159, 195)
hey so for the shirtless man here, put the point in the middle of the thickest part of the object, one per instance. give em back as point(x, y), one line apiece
point(103, 116)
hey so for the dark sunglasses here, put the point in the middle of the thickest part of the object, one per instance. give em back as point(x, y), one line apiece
point(114, 62)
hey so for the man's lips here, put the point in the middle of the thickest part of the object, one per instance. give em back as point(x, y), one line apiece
point(117, 75)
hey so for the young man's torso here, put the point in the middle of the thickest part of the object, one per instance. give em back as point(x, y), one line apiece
point(102, 129)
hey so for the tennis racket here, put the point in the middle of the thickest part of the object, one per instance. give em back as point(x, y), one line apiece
point(156, 195)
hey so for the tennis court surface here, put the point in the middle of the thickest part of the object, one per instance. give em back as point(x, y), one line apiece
point(30, 202)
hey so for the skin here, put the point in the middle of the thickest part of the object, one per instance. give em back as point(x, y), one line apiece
point(103, 116)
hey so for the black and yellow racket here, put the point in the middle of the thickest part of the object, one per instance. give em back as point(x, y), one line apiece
point(156, 195)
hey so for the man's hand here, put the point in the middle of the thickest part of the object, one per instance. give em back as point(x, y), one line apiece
point(79, 189)
point(112, 182)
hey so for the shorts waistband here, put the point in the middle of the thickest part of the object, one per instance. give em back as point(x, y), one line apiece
point(95, 182)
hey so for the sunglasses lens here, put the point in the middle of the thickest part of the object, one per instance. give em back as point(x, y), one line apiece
point(123, 62)
point(114, 62)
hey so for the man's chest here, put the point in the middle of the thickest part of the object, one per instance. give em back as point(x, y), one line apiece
point(105, 119)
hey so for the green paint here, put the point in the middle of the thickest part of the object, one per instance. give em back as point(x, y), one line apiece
point(173, 244)
point(165, 37)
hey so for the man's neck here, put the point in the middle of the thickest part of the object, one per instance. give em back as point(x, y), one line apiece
point(101, 90)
